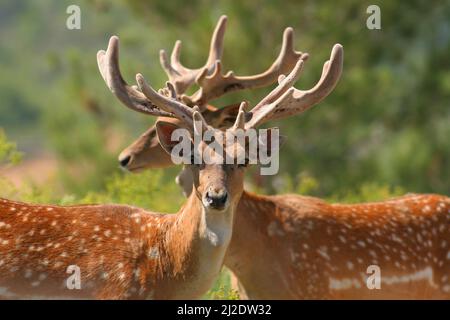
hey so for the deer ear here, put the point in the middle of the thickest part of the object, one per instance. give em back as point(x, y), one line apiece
point(165, 131)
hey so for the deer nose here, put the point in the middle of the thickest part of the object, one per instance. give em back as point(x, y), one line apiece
point(216, 199)
point(124, 161)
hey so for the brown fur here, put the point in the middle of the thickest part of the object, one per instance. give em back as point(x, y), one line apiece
point(291, 247)
point(122, 251)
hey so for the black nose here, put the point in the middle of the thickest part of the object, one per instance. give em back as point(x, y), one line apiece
point(217, 200)
point(125, 161)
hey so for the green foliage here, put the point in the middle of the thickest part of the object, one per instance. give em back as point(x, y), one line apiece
point(8, 156)
point(150, 189)
point(33, 193)
point(367, 193)
point(302, 183)
point(7, 188)
point(222, 288)
point(8, 150)
point(305, 184)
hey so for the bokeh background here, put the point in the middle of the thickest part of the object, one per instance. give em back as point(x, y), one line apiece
point(384, 131)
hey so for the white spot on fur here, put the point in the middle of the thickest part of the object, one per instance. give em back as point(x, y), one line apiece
point(343, 284)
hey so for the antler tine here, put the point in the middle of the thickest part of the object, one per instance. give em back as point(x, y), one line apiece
point(240, 119)
point(108, 64)
point(216, 84)
point(294, 101)
point(183, 77)
point(172, 106)
point(284, 83)
point(216, 45)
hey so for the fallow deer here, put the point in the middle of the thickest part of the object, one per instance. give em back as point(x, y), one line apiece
point(297, 247)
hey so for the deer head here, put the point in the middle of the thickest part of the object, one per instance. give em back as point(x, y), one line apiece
point(212, 181)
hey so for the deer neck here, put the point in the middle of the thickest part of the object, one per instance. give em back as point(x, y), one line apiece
point(252, 214)
point(197, 242)
point(251, 247)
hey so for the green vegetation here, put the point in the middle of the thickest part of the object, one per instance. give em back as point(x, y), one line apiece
point(8, 150)
point(222, 289)
point(383, 132)
point(8, 157)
